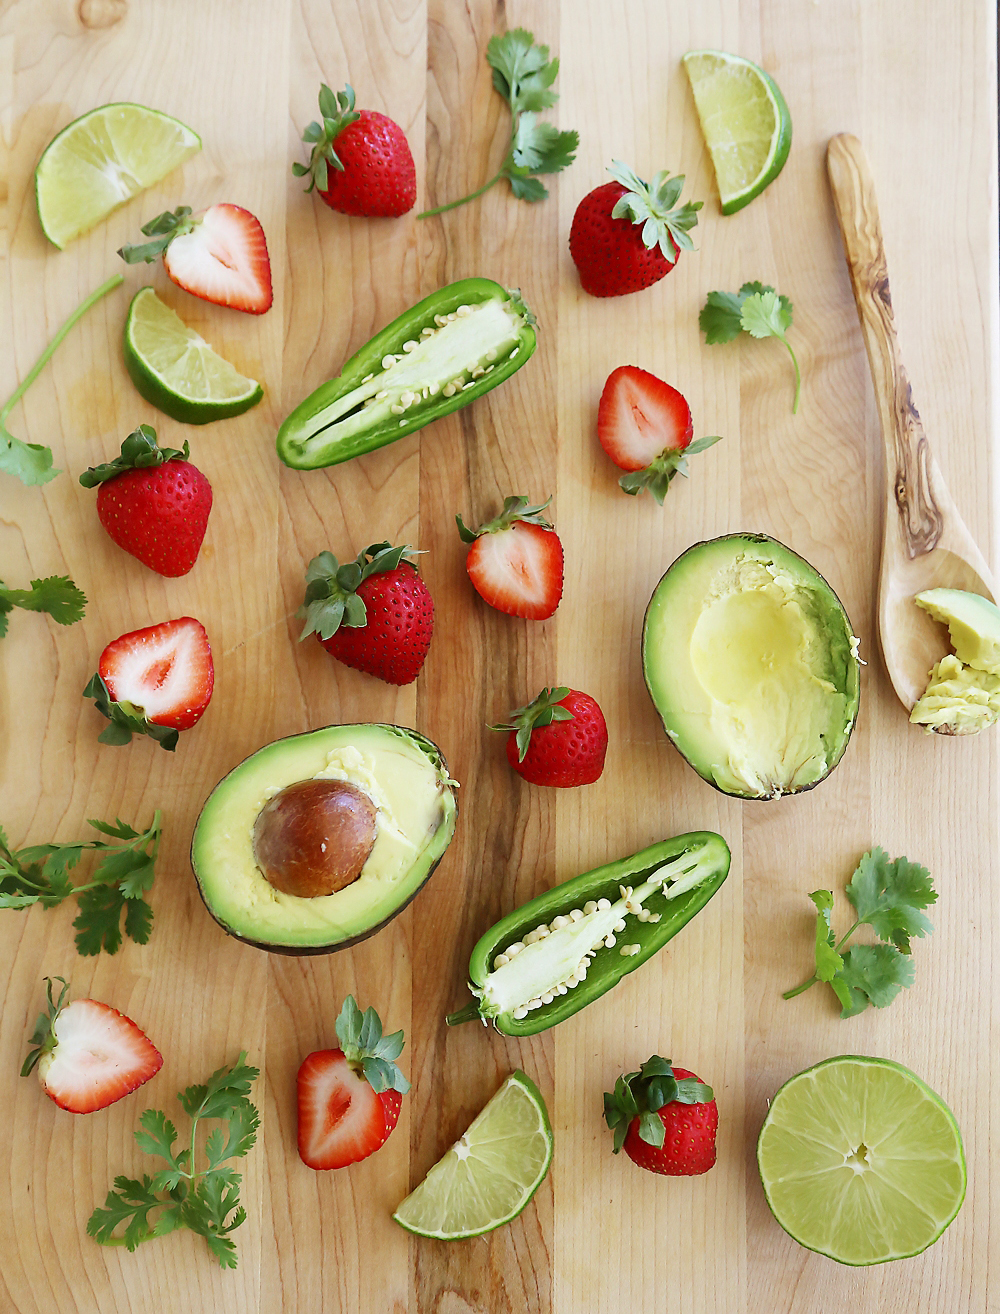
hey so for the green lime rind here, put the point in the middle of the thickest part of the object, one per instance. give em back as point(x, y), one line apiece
point(176, 370)
point(861, 1161)
point(780, 139)
point(101, 160)
point(504, 1138)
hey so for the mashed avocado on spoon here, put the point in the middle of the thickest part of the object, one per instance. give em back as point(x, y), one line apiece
point(963, 692)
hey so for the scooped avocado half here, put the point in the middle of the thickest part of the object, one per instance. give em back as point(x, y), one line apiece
point(751, 663)
point(317, 840)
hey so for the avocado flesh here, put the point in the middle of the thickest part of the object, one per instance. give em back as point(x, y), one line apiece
point(958, 699)
point(973, 625)
point(408, 782)
point(750, 660)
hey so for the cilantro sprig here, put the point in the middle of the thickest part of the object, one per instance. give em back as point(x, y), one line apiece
point(523, 74)
point(889, 897)
point(205, 1200)
point(756, 309)
point(56, 594)
point(118, 883)
point(31, 462)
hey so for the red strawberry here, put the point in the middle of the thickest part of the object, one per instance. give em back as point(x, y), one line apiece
point(665, 1117)
point(219, 255)
point(153, 502)
point(645, 427)
point(88, 1054)
point(516, 561)
point(611, 253)
point(374, 613)
point(559, 739)
point(360, 162)
point(349, 1098)
point(155, 681)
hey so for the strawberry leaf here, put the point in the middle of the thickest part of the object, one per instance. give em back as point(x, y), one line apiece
point(542, 711)
point(140, 451)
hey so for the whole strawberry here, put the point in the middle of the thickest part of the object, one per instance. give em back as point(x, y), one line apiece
point(374, 613)
point(153, 502)
point(560, 739)
point(627, 234)
point(666, 1118)
point(360, 162)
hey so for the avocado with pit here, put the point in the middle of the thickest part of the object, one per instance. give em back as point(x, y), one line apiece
point(751, 662)
point(316, 841)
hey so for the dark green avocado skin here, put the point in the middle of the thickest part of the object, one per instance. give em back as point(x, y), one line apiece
point(298, 951)
point(765, 541)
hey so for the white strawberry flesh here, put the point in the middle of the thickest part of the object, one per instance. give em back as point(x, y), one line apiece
point(223, 259)
point(99, 1056)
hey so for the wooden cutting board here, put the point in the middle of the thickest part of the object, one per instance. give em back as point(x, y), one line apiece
point(916, 82)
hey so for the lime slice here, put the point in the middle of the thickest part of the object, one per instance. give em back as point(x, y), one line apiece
point(175, 368)
point(861, 1161)
point(745, 120)
point(100, 161)
point(490, 1174)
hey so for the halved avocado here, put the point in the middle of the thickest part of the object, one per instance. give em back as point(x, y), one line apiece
point(405, 777)
point(751, 662)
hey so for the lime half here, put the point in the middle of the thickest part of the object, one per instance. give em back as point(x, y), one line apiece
point(103, 159)
point(861, 1161)
point(746, 123)
point(490, 1174)
point(175, 368)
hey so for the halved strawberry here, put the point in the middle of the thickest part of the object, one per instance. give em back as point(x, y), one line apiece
point(156, 681)
point(349, 1099)
point(645, 426)
point(516, 561)
point(220, 255)
point(88, 1054)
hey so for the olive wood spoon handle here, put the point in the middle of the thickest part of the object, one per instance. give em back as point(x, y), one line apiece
point(925, 541)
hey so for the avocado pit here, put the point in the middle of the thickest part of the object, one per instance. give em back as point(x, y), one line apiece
point(314, 837)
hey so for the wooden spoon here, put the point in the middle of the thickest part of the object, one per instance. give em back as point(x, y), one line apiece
point(925, 543)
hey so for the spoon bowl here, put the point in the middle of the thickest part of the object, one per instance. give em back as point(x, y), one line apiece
point(925, 542)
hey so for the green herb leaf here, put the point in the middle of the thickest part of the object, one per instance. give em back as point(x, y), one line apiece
point(828, 961)
point(889, 896)
point(119, 881)
point(757, 309)
point(875, 972)
point(523, 74)
point(56, 594)
point(207, 1200)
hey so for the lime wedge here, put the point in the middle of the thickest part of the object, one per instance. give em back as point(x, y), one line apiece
point(103, 159)
point(861, 1161)
point(746, 123)
point(175, 368)
point(490, 1174)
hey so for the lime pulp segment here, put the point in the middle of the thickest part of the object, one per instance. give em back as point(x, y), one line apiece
point(745, 122)
point(175, 368)
point(100, 161)
point(490, 1173)
point(861, 1160)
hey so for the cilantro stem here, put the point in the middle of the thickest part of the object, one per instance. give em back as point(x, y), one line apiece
point(114, 281)
point(452, 205)
point(814, 980)
point(798, 375)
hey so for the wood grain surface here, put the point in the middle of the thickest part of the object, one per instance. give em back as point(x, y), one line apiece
point(916, 83)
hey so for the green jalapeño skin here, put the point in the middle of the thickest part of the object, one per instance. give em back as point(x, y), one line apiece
point(439, 356)
point(553, 956)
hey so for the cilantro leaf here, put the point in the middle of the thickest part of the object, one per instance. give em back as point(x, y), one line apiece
point(523, 74)
point(888, 896)
point(122, 877)
point(56, 594)
point(207, 1200)
point(758, 310)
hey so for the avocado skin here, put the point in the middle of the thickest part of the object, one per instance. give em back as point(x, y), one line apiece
point(763, 540)
point(300, 951)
